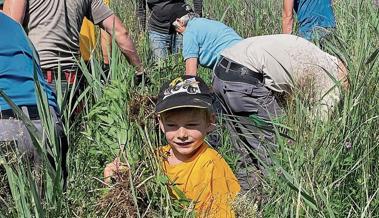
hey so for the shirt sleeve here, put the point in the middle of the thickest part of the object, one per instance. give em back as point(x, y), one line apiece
point(98, 11)
point(191, 47)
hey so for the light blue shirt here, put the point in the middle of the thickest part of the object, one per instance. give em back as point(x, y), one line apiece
point(205, 39)
point(312, 14)
point(18, 62)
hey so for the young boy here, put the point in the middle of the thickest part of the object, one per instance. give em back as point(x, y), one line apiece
point(184, 109)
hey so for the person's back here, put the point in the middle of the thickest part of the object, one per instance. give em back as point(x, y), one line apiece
point(313, 15)
point(18, 69)
point(289, 63)
point(284, 60)
point(205, 39)
point(18, 66)
point(53, 27)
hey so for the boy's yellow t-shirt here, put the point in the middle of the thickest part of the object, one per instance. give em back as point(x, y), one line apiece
point(87, 38)
point(207, 180)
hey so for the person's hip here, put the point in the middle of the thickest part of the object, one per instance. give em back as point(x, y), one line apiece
point(243, 90)
point(66, 78)
point(229, 70)
point(12, 127)
point(30, 111)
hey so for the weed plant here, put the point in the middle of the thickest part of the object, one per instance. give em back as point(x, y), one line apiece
point(330, 169)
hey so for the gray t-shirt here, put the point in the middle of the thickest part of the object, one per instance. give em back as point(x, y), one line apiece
point(54, 26)
point(284, 60)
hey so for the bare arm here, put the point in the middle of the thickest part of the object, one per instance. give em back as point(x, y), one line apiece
point(191, 66)
point(123, 40)
point(106, 44)
point(287, 16)
point(15, 9)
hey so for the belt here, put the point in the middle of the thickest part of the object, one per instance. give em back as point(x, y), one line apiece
point(236, 72)
point(68, 75)
point(32, 110)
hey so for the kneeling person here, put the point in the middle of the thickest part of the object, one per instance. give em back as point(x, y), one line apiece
point(185, 117)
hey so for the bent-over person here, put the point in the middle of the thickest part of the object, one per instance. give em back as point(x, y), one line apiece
point(249, 73)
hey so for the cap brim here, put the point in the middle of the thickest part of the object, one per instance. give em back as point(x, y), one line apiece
point(183, 102)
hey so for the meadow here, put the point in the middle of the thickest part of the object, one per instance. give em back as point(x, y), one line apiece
point(329, 169)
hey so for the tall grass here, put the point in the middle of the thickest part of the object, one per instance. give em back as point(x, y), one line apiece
point(329, 170)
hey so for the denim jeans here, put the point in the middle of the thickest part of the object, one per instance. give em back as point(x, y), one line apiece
point(164, 44)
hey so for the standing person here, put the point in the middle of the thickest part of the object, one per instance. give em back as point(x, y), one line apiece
point(163, 38)
point(87, 42)
point(247, 74)
point(315, 18)
point(56, 33)
point(18, 66)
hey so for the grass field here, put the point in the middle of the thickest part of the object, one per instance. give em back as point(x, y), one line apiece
point(329, 170)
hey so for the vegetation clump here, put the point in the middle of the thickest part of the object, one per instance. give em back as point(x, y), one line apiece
point(328, 169)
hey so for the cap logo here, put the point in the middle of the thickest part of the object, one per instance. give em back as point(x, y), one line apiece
point(178, 85)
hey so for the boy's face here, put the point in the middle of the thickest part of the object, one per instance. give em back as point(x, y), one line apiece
point(185, 130)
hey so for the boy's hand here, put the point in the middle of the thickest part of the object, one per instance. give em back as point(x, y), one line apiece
point(113, 168)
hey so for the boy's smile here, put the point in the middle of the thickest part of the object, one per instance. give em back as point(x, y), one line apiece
point(185, 130)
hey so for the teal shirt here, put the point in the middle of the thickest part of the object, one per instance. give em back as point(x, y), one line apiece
point(18, 62)
point(312, 14)
point(205, 39)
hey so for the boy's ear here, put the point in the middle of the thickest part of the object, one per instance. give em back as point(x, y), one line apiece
point(161, 123)
point(212, 122)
